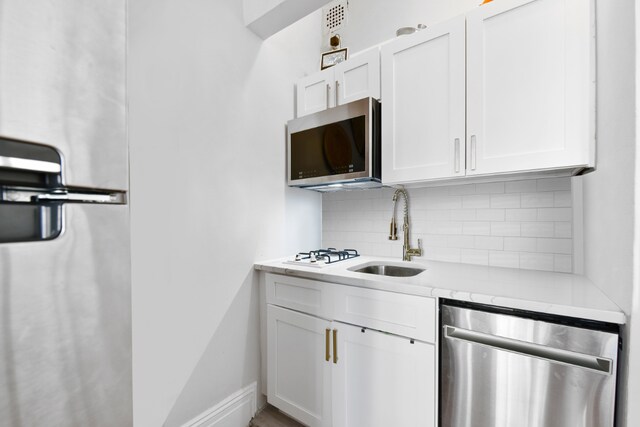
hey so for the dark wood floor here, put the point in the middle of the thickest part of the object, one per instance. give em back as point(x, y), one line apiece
point(271, 417)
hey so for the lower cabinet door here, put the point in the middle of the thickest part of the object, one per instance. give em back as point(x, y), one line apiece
point(381, 380)
point(298, 372)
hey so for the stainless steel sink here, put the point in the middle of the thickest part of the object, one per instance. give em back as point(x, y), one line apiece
point(388, 270)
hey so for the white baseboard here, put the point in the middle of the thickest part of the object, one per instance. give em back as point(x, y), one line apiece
point(234, 411)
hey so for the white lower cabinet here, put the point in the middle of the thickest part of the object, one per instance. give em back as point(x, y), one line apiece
point(327, 373)
point(382, 380)
point(298, 374)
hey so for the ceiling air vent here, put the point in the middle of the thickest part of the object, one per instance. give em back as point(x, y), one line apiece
point(334, 16)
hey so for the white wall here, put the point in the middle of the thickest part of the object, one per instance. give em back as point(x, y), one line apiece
point(208, 101)
point(609, 202)
point(267, 17)
point(519, 224)
point(375, 21)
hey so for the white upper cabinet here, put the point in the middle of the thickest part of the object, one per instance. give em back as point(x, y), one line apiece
point(526, 69)
point(358, 77)
point(423, 104)
point(315, 92)
point(530, 86)
point(353, 79)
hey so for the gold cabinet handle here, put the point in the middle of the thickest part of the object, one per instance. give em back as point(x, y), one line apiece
point(335, 346)
point(327, 354)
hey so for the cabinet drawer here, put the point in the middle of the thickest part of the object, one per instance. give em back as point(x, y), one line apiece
point(308, 296)
point(406, 315)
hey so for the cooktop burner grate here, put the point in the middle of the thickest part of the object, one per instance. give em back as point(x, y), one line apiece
point(327, 256)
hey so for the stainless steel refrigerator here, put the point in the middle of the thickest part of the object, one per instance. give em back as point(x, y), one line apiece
point(65, 295)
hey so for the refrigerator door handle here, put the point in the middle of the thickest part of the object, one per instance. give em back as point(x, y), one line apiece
point(18, 163)
point(17, 195)
point(599, 364)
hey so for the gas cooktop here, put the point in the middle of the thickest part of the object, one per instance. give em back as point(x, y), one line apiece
point(322, 257)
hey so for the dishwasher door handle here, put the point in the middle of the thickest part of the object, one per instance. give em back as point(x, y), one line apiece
point(598, 364)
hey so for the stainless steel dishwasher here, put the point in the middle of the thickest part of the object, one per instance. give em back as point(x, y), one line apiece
point(506, 368)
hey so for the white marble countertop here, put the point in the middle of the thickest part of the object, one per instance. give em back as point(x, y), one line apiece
point(546, 292)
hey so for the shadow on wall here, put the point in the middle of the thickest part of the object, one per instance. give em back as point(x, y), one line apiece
point(233, 348)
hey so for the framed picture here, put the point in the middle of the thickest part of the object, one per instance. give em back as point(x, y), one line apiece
point(333, 57)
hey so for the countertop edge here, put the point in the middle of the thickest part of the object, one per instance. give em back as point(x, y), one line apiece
point(344, 277)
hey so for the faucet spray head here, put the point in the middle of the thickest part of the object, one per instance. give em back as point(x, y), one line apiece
point(393, 229)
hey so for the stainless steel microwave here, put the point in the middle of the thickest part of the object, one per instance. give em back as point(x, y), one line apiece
point(338, 148)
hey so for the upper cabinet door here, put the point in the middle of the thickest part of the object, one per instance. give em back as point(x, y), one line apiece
point(530, 86)
point(358, 78)
point(315, 93)
point(423, 104)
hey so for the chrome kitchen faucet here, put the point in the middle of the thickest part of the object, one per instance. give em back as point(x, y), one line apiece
point(407, 251)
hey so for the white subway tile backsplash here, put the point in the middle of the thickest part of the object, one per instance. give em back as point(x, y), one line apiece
point(537, 200)
point(490, 188)
point(468, 242)
point(489, 242)
point(438, 215)
point(437, 241)
point(527, 186)
point(562, 199)
point(509, 200)
point(521, 214)
point(474, 256)
point(435, 191)
point(520, 244)
point(380, 249)
point(444, 227)
point(555, 214)
point(533, 261)
point(555, 246)
point(447, 254)
point(510, 228)
point(553, 184)
point(504, 259)
point(563, 263)
point(446, 202)
point(476, 201)
point(476, 228)
point(462, 190)
point(463, 214)
point(537, 229)
point(519, 224)
point(563, 230)
point(490, 214)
